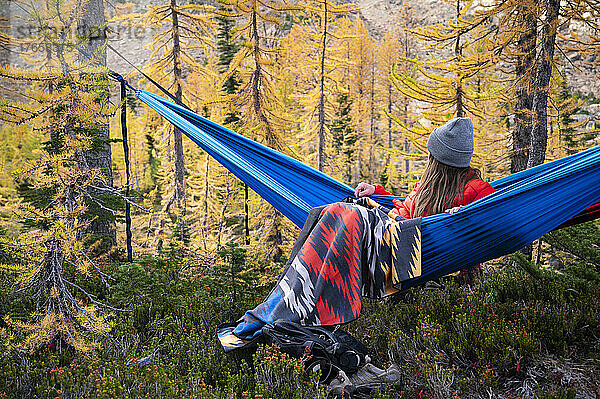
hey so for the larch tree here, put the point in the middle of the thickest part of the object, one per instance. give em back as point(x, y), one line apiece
point(512, 29)
point(309, 57)
point(460, 83)
point(554, 14)
point(356, 74)
point(364, 112)
point(316, 29)
point(394, 48)
point(443, 89)
point(578, 50)
point(66, 103)
point(183, 32)
point(253, 61)
point(255, 98)
point(525, 38)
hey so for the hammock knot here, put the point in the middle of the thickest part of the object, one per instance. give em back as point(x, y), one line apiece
point(122, 80)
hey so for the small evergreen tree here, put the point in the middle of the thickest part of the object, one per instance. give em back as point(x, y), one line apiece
point(227, 49)
point(573, 134)
point(344, 135)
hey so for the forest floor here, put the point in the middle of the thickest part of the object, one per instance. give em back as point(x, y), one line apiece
point(517, 331)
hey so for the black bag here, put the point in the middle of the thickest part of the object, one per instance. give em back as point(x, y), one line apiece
point(319, 348)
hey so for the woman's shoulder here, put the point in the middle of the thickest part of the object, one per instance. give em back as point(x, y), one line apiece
point(477, 183)
point(477, 188)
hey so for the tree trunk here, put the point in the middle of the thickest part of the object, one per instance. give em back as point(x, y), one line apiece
point(205, 216)
point(389, 124)
point(223, 210)
point(257, 78)
point(92, 28)
point(388, 158)
point(458, 53)
point(274, 236)
point(321, 153)
point(406, 143)
point(524, 71)
point(538, 135)
point(246, 214)
point(180, 201)
point(5, 29)
point(373, 172)
point(539, 131)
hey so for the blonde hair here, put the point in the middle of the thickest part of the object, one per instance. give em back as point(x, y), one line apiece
point(439, 187)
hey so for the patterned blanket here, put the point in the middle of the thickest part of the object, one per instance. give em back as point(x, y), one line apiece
point(344, 252)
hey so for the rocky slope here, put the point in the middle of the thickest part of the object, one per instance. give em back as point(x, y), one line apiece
point(134, 41)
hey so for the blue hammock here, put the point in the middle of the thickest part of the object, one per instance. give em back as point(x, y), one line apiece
point(526, 205)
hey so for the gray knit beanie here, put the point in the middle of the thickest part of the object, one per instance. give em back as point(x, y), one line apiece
point(452, 144)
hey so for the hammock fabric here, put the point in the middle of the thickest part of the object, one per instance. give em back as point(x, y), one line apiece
point(525, 206)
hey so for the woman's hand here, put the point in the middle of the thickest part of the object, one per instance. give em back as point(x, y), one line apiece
point(364, 189)
point(453, 210)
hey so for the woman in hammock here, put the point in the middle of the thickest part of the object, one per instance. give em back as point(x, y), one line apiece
point(350, 250)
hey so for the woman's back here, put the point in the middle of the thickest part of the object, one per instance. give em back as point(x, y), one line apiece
point(474, 189)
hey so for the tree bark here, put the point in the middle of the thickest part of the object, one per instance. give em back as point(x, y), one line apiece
point(274, 236)
point(373, 175)
point(458, 53)
point(406, 143)
point(321, 152)
point(180, 200)
point(389, 99)
point(92, 31)
point(246, 214)
point(524, 70)
point(5, 18)
point(389, 124)
point(205, 216)
point(539, 131)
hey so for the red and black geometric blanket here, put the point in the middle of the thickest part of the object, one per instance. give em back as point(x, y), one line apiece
point(344, 252)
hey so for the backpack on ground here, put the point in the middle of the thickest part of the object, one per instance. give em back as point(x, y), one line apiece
point(321, 349)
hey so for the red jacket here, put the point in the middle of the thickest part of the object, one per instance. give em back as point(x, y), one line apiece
point(474, 190)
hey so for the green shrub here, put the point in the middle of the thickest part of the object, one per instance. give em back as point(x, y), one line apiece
point(470, 338)
point(452, 342)
point(279, 376)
